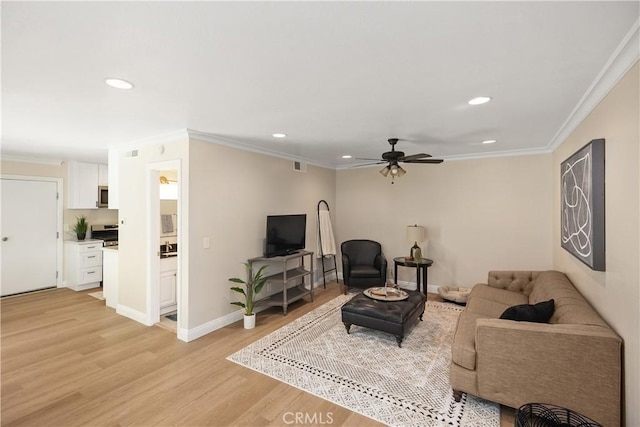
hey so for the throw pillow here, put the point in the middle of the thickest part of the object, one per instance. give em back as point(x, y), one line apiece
point(539, 313)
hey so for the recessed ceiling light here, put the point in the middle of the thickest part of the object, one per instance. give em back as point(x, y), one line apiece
point(479, 100)
point(347, 156)
point(488, 141)
point(119, 83)
point(279, 135)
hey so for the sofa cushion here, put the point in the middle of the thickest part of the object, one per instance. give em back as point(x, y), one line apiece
point(514, 281)
point(501, 296)
point(570, 305)
point(539, 313)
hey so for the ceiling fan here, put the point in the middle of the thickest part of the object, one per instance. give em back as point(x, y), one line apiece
point(393, 158)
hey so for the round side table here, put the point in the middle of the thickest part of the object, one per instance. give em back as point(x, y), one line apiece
point(423, 265)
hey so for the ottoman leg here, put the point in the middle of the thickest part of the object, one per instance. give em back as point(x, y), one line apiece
point(399, 340)
point(457, 395)
point(348, 326)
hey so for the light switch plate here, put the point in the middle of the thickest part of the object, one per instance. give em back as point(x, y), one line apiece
point(206, 243)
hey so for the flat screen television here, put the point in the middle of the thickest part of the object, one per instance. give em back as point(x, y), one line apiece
point(285, 234)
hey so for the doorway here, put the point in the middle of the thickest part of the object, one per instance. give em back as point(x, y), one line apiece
point(165, 244)
point(31, 234)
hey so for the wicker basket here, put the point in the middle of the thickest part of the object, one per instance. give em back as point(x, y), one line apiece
point(544, 415)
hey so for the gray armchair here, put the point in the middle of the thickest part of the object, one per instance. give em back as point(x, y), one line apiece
point(363, 264)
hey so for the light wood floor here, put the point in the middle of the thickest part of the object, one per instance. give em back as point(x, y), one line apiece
point(68, 360)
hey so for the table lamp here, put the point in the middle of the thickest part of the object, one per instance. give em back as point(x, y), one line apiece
point(415, 234)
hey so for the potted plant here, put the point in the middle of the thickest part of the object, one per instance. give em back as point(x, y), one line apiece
point(252, 287)
point(80, 227)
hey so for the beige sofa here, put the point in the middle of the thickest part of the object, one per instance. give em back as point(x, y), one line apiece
point(574, 361)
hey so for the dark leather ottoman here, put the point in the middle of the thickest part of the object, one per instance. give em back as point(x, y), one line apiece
point(394, 317)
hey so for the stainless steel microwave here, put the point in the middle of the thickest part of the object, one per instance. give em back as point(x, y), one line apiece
point(103, 196)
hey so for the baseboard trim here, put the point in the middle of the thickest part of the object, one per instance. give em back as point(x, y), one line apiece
point(133, 314)
point(188, 335)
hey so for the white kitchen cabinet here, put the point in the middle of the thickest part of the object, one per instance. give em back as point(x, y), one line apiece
point(83, 180)
point(103, 175)
point(168, 276)
point(83, 264)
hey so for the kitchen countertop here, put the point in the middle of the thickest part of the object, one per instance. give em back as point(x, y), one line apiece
point(110, 248)
point(87, 241)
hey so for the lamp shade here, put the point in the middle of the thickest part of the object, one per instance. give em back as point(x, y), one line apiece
point(415, 233)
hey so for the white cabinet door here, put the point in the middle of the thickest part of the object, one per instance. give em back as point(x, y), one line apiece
point(167, 288)
point(83, 185)
point(103, 175)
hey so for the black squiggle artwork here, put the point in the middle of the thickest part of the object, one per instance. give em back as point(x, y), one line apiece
point(582, 205)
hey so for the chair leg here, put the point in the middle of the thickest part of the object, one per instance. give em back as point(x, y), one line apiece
point(346, 289)
point(457, 395)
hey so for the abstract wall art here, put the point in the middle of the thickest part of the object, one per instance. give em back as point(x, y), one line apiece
point(582, 206)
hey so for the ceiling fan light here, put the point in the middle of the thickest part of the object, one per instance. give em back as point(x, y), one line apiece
point(400, 171)
point(394, 169)
point(385, 171)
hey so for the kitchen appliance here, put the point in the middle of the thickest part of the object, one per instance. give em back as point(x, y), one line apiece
point(103, 196)
point(106, 232)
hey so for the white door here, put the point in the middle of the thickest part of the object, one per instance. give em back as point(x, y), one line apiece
point(29, 240)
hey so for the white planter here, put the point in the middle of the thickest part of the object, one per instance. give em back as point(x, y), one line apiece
point(249, 321)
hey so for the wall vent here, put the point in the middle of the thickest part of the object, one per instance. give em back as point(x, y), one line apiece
point(299, 166)
point(134, 153)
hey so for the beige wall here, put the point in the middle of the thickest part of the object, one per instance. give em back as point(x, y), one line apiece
point(478, 214)
point(94, 216)
point(616, 292)
point(226, 194)
point(235, 191)
point(134, 233)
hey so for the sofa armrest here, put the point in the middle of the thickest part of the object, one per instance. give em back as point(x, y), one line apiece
point(573, 366)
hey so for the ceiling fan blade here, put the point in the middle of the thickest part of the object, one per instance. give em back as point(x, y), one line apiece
point(415, 157)
point(373, 160)
point(433, 161)
point(367, 164)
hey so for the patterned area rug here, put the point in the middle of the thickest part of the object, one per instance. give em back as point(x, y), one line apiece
point(366, 372)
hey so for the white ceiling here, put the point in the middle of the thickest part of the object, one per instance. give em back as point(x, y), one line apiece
point(337, 78)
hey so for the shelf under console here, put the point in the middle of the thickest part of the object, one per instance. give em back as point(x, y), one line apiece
point(286, 276)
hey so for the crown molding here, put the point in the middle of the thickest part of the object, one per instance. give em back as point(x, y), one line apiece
point(623, 58)
point(473, 156)
point(221, 140)
point(26, 159)
point(494, 154)
point(165, 138)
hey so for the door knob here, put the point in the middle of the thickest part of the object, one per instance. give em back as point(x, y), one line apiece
point(4, 239)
